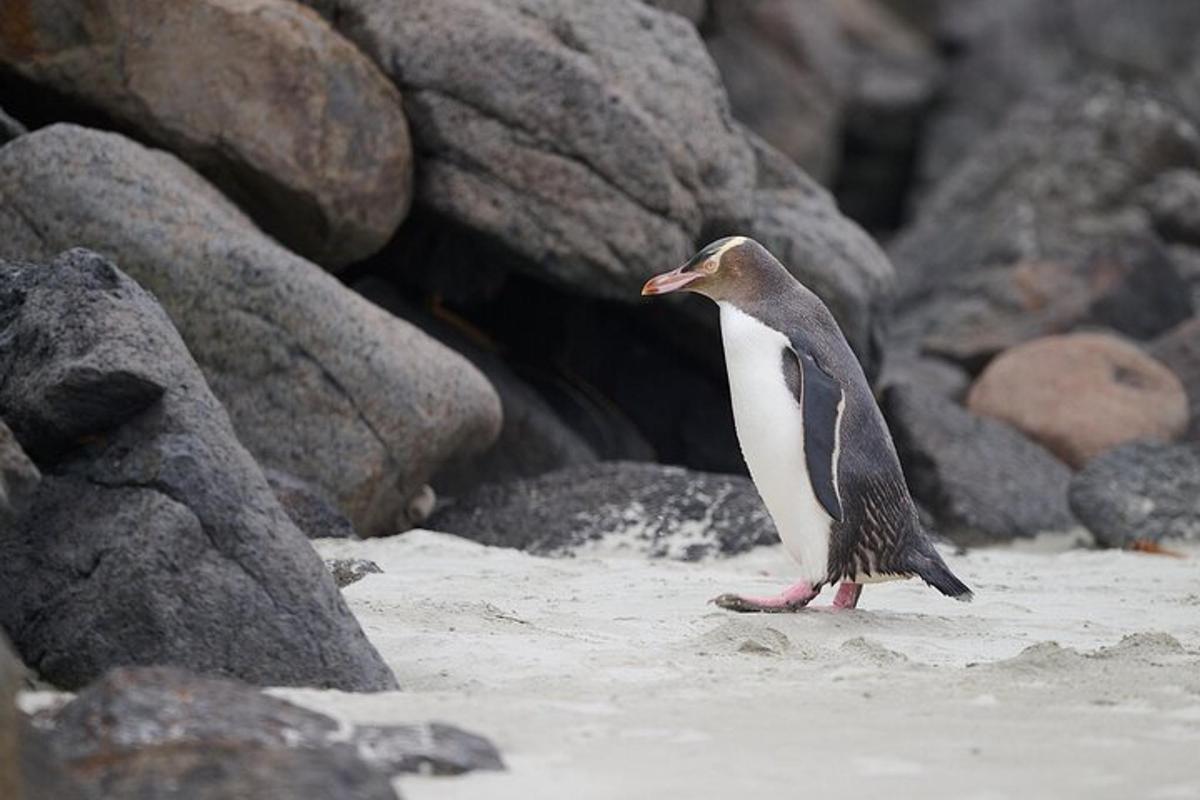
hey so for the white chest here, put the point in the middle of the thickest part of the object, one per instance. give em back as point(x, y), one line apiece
point(770, 429)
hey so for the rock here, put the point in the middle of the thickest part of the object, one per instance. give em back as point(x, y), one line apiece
point(982, 480)
point(1140, 491)
point(140, 725)
point(788, 72)
point(1179, 349)
point(694, 11)
point(10, 128)
point(656, 510)
point(346, 571)
point(19, 478)
point(533, 438)
point(1025, 194)
point(290, 119)
point(799, 223)
point(1005, 51)
point(154, 538)
point(895, 78)
point(312, 513)
point(1082, 394)
point(1173, 202)
point(1131, 287)
point(932, 375)
point(594, 140)
point(320, 384)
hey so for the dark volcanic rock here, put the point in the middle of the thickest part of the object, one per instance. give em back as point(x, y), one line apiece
point(1141, 491)
point(314, 515)
point(288, 117)
point(1041, 226)
point(982, 480)
point(139, 726)
point(1179, 349)
point(650, 508)
point(19, 477)
point(346, 571)
point(319, 383)
point(157, 541)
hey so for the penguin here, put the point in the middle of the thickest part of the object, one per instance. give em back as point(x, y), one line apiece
point(812, 435)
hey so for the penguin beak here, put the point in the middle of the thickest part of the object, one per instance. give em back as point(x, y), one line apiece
point(671, 281)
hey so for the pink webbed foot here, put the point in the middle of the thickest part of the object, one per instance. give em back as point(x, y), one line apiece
point(793, 598)
point(847, 595)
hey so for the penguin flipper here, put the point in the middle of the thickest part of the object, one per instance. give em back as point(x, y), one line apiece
point(821, 402)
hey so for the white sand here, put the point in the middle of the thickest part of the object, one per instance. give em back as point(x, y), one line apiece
point(609, 676)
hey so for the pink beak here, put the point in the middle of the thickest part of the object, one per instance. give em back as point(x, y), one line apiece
point(671, 281)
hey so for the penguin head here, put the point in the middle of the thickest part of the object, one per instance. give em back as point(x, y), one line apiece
point(732, 268)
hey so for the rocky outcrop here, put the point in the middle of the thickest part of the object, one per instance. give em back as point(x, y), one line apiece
point(312, 513)
point(289, 118)
point(320, 384)
point(592, 139)
point(788, 72)
point(153, 537)
point(1140, 492)
point(10, 128)
point(11, 675)
point(1041, 227)
point(1082, 394)
point(982, 481)
point(157, 732)
point(659, 511)
point(1179, 349)
point(19, 478)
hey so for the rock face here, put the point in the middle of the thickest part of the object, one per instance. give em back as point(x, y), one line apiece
point(1179, 349)
point(11, 674)
point(1040, 228)
point(320, 384)
point(1007, 50)
point(594, 140)
point(143, 729)
point(10, 128)
point(663, 512)
point(312, 513)
point(788, 74)
point(290, 119)
point(981, 480)
point(19, 478)
point(153, 537)
point(1141, 491)
point(1081, 394)
point(799, 223)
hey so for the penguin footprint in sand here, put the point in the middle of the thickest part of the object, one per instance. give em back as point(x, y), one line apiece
point(811, 432)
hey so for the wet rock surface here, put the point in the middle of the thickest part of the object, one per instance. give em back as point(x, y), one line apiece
point(153, 536)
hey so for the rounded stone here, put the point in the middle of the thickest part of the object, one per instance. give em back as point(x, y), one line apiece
point(1081, 394)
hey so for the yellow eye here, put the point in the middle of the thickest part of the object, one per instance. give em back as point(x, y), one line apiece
point(711, 266)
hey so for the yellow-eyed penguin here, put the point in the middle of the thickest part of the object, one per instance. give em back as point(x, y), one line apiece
point(811, 432)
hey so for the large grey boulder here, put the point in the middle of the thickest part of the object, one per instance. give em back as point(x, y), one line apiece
point(1142, 491)
point(261, 96)
point(650, 509)
point(1179, 349)
point(192, 736)
point(594, 140)
point(320, 383)
point(1060, 182)
point(980, 479)
point(153, 537)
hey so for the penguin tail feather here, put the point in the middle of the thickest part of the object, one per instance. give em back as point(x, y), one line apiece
point(934, 571)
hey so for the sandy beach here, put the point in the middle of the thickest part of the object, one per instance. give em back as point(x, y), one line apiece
point(1074, 673)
